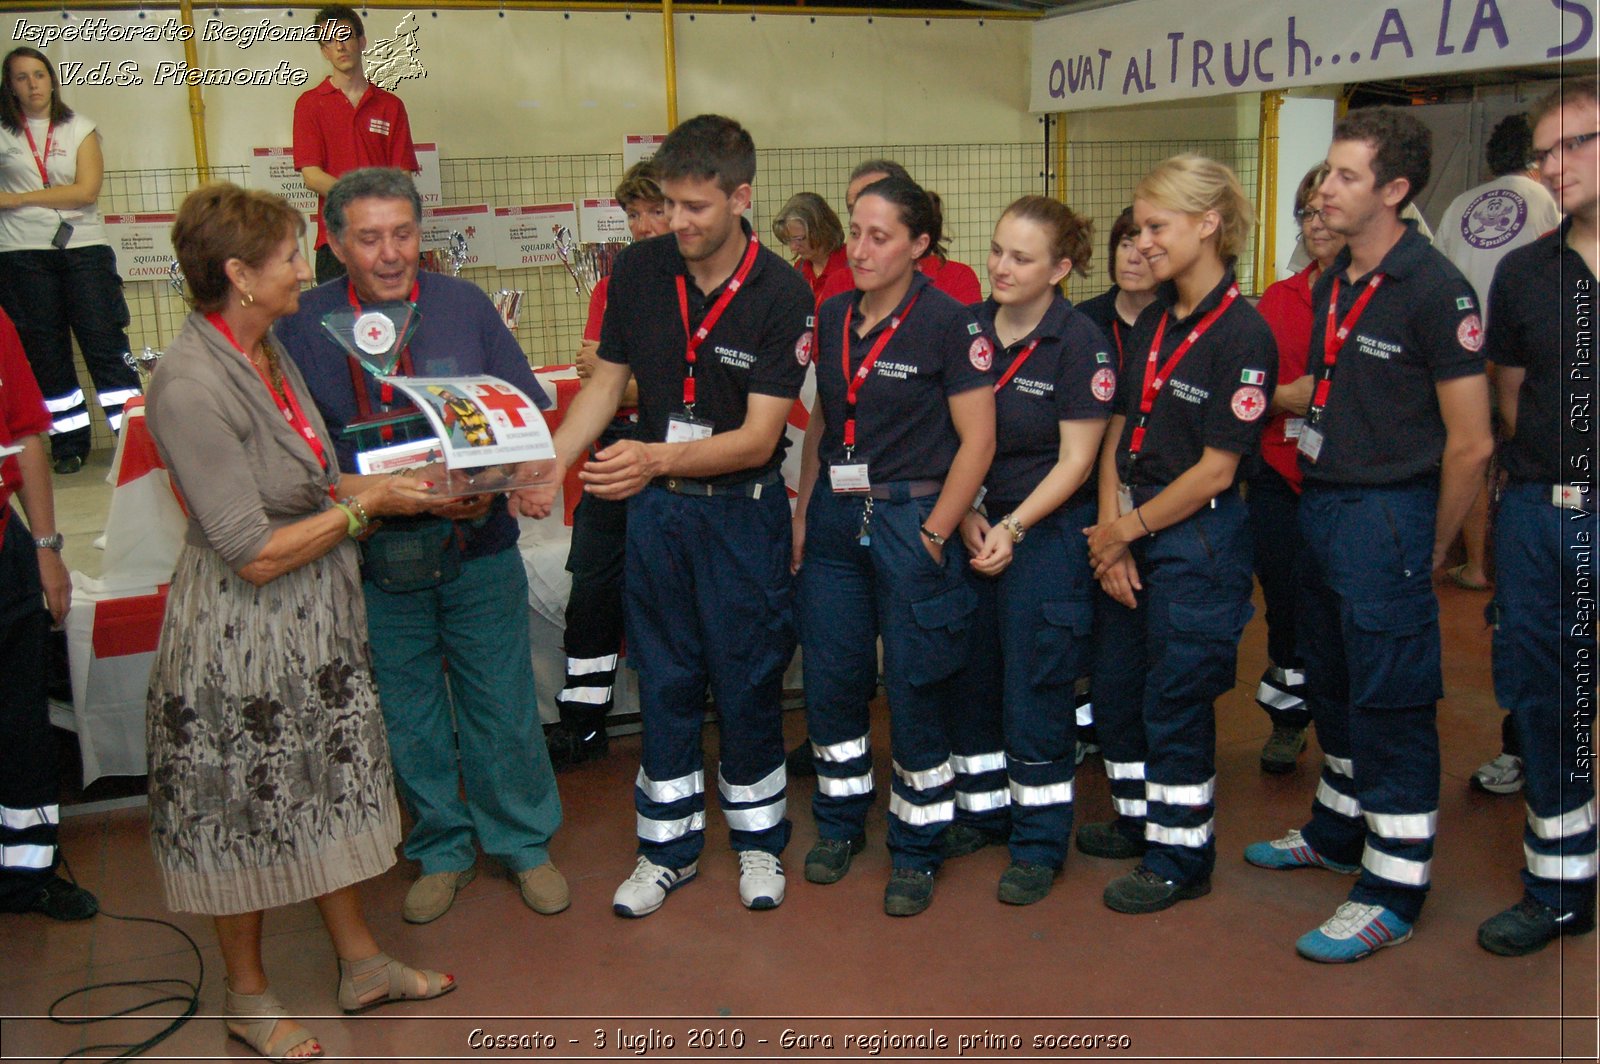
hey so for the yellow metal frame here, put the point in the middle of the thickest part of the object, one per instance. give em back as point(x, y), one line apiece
point(1267, 191)
point(197, 102)
point(1058, 153)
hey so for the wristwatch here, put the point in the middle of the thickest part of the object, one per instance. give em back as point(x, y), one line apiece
point(55, 542)
point(1010, 523)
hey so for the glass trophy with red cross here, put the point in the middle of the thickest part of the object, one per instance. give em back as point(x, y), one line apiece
point(389, 431)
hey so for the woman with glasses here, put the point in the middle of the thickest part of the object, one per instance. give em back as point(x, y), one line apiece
point(1274, 492)
point(810, 229)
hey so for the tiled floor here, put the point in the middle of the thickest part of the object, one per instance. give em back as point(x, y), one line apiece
point(1212, 978)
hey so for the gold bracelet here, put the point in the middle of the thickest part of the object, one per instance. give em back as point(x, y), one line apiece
point(1010, 523)
point(361, 511)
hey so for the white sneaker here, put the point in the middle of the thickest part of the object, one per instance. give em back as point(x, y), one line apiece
point(643, 892)
point(760, 879)
point(1503, 775)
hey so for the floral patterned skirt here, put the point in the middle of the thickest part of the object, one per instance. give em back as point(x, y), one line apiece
point(269, 765)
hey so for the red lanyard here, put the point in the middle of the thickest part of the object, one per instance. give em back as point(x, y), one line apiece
point(40, 160)
point(1116, 335)
point(1154, 381)
point(288, 404)
point(1011, 370)
point(385, 389)
point(853, 389)
point(1333, 339)
point(694, 337)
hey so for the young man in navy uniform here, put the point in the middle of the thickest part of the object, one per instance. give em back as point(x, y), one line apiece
point(1395, 446)
point(716, 331)
point(1541, 338)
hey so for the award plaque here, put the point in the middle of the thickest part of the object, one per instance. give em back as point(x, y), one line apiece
point(490, 436)
point(375, 335)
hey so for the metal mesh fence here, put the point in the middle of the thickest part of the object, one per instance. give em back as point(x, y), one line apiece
point(975, 182)
point(1101, 176)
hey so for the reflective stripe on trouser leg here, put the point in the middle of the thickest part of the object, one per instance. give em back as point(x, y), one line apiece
point(1199, 576)
point(755, 807)
point(28, 840)
point(1543, 644)
point(1335, 828)
point(926, 614)
point(1282, 690)
point(840, 640)
point(112, 402)
point(1046, 610)
point(1396, 763)
point(1116, 686)
point(977, 739)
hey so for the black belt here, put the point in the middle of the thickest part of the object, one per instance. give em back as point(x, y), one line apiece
point(906, 489)
point(747, 489)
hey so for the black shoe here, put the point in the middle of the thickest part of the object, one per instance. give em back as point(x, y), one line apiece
point(571, 745)
point(1112, 838)
point(799, 763)
point(961, 839)
point(66, 465)
point(1529, 926)
point(829, 859)
point(1024, 883)
point(1143, 891)
point(909, 892)
point(1281, 752)
point(60, 900)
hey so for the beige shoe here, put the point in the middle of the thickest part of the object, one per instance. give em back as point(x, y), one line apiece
point(431, 896)
point(544, 890)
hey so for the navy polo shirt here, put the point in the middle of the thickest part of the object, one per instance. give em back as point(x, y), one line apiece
point(1070, 376)
point(1102, 310)
point(459, 334)
point(1217, 397)
point(903, 425)
point(760, 345)
point(1541, 319)
point(1422, 326)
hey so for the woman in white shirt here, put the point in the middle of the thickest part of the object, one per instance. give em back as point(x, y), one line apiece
point(58, 274)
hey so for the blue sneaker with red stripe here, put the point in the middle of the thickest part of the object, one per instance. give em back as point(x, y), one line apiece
point(1293, 851)
point(1354, 931)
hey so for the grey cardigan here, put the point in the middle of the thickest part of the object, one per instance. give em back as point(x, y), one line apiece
point(239, 465)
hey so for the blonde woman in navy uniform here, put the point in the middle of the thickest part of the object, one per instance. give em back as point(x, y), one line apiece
point(899, 441)
point(1172, 548)
point(1014, 734)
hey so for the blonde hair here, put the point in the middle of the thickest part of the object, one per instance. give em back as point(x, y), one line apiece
point(1193, 184)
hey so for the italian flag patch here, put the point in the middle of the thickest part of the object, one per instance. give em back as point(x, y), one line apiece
point(973, 328)
point(1252, 376)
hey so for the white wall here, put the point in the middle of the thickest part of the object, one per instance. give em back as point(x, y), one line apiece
point(541, 83)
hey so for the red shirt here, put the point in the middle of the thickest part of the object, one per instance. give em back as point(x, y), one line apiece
point(956, 280)
point(22, 410)
point(330, 134)
point(1287, 307)
point(835, 277)
point(597, 310)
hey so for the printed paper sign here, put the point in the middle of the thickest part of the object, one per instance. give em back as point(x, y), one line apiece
point(525, 236)
point(601, 219)
point(272, 170)
point(473, 222)
point(427, 178)
point(637, 147)
point(143, 244)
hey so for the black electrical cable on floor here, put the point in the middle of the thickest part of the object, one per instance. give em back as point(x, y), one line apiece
point(126, 1050)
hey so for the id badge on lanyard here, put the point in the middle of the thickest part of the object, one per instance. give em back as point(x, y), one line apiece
point(685, 427)
point(1333, 338)
point(849, 478)
point(1124, 500)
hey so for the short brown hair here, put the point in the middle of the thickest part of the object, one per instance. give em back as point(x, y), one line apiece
point(1069, 233)
point(1570, 91)
point(1401, 146)
point(219, 222)
point(1124, 228)
point(639, 183)
point(1309, 185)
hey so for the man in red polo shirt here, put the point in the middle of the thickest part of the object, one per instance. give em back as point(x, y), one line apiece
point(346, 123)
point(35, 592)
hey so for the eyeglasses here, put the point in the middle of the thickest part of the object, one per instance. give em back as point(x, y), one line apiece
point(1565, 146)
point(1305, 214)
